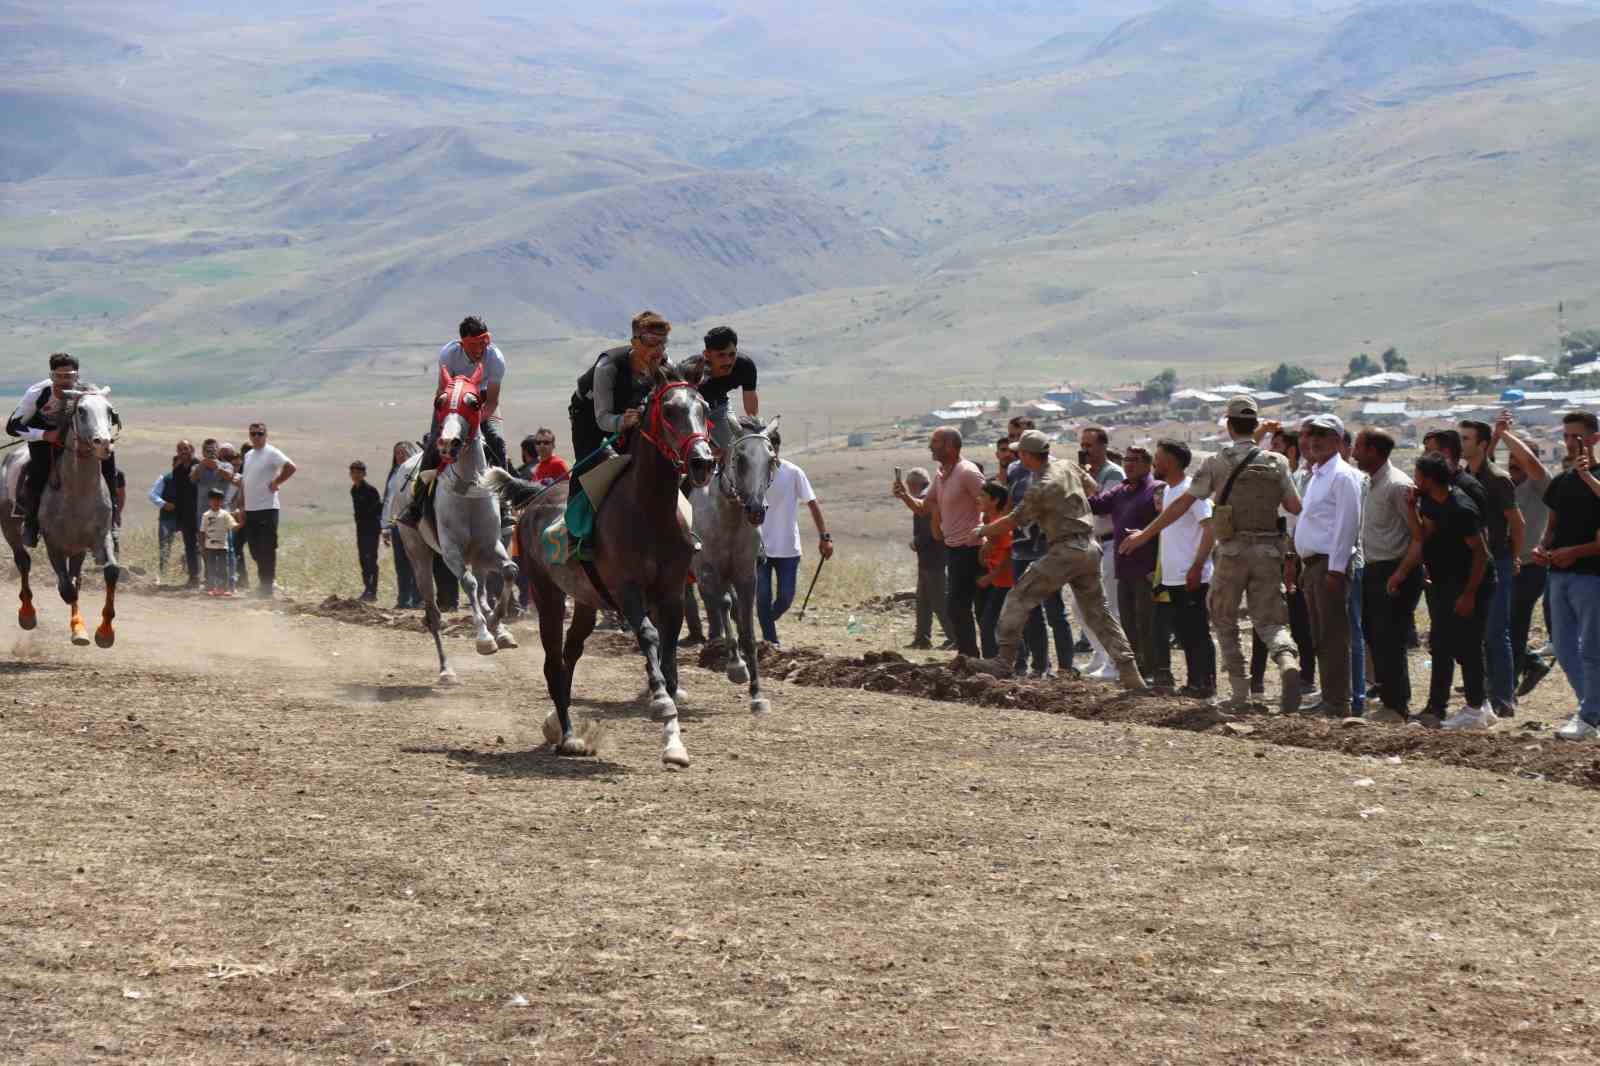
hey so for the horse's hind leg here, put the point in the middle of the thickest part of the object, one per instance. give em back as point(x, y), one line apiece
point(506, 606)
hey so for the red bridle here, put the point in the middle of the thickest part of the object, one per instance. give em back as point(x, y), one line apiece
point(656, 430)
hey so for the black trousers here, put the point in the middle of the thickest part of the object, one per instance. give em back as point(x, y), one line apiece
point(367, 552)
point(1453, 639)
point(406, 594)
point(261, 534)
point(1185, 614)
point(189, 526)
point(446, 588)
point(962, 570)
point(1386, 624)
point(1526, 592)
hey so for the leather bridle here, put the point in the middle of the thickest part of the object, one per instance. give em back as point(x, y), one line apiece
point(659, 432)
point(735, 493)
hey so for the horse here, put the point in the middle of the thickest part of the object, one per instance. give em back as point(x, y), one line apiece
point(464, 528)
point(641, 561)
point(727, 516)
point(74, 512)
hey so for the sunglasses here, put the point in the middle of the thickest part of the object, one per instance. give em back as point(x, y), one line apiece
point(544, 444)
point(258, 433)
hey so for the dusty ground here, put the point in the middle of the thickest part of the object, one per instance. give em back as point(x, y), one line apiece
point(243, 837)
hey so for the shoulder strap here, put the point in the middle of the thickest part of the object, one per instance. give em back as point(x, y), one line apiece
point(1227, 488)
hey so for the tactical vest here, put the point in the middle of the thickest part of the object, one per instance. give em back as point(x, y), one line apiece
point(622, 391)
point(1257, 492)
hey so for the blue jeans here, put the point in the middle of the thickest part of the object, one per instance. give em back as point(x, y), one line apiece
point(1358, 641)
point(768, 608)
point(1575, 631)
point(1499, 661)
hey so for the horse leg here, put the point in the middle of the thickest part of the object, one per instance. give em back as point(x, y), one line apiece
point(744, 592)
point(423, 571)
point(472, 592)
point(670, 612)
point(552, 606)
point(662, 709)
point(583, 619)
point(507, 602)
point(738, 657)
point(27, 618)
point(105, 635)
point(67, 586)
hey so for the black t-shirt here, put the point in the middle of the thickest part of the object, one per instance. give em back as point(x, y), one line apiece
point(1575, 519)
point(1445, 553)
point(1500, 496)
point(716, 390)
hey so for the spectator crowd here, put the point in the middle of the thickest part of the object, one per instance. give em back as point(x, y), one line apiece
point(1312, 532)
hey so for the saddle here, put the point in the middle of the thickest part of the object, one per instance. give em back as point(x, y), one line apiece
point(571, 535)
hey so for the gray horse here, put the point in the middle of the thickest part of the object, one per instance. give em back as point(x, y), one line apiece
point(464, 529)
point(74, 512)
point(727, 516)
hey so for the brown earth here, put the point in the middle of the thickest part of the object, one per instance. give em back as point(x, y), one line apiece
point(250, 836)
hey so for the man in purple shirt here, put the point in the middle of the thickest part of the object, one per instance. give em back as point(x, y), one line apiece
point(1132, 506)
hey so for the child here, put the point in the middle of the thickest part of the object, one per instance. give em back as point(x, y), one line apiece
point(997, 579)
point(215, 525)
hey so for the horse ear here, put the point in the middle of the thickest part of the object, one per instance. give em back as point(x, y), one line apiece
point(770, 426)
point(444, 378)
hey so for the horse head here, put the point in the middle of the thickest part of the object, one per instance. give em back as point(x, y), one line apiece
point(748, 466)
point(91, 420)
point(676, 425)
point(459, 409)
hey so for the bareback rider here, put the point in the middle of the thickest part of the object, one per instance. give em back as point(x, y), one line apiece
point(716, 372)
point(611, 394)
point(35, 421)
point(475, 349)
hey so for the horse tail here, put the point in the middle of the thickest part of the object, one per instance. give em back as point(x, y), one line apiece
point(514, 491)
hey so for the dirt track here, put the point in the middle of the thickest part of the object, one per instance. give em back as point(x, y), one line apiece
point(246, 837)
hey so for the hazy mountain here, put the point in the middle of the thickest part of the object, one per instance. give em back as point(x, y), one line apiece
point(74, 135)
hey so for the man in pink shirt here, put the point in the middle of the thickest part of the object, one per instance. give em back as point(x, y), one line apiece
point(952, 504)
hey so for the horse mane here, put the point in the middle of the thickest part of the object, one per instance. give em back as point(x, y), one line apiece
point(750, 424)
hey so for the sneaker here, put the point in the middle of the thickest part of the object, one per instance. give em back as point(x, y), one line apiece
point(1577, 729)
point(948, 645)
point(1504, 710)
point(1381, 715)
point(991, 667)
point(1258, 690)
point(1310, 697)
point(1289, 701)
point(1426, 720)
point(1532, 674)
point(1082, 646)
point(920, 645)
point(1471, 718)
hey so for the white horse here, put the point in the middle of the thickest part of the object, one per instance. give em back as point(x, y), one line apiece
point(74, 512)
point(464, 528)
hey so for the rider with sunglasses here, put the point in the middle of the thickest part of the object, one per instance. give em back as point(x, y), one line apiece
point(611, 394)
point(475, 349)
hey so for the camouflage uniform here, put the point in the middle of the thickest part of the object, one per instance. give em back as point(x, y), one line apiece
point(1250, 563)
point(1058, 501)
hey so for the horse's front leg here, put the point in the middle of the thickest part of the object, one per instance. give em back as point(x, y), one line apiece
point(27, 618)
point(662, 708)
point(105, 635)
point(472, 592)
point(67, 572)
point(744, 592)
point(422, 567)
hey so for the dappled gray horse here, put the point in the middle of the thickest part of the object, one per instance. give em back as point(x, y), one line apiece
point(727, 517)
point(464, 528)
point(74, 512)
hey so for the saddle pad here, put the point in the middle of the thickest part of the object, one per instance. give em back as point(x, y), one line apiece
point(553, 543)
point(597, 482)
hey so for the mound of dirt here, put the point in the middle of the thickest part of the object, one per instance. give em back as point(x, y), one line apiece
point(356, 612)
point(1528, 751)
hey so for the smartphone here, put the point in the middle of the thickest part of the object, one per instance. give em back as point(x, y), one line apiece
point(897, 479)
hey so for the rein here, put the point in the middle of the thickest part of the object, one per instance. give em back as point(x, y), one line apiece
point(655, 420)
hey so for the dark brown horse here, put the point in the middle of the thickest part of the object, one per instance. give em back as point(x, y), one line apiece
point(641, 557)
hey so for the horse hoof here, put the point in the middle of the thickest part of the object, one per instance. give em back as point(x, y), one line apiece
point(761, 706)
point(105, 636)
point(505, 640)
point(662, 708)
point(487, 646)
point(552, 729)
point(26, 618)
point(80, 639)
point(675, 755)
point(447, 677)
point(739, 675)
point(681, 698)
point(574, 746)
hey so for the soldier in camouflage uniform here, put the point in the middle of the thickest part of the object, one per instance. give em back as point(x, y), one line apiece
point(1249, 563)
point(1058, 500)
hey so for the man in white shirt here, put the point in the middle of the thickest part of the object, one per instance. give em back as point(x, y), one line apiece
point(265, 470)
point(1325, 540)
point(1185, 572)
point(780, 541)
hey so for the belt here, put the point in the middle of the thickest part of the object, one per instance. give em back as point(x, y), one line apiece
point(1307, 560)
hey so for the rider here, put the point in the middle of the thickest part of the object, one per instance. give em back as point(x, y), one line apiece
point(719, 370)
point(611, 394)
point(475, 348)
point(34, 421)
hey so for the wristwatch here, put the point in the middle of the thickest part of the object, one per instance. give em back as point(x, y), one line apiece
point(825, 536)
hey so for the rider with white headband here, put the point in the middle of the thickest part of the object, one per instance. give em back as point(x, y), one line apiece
point(34, 421)
point(475, 349)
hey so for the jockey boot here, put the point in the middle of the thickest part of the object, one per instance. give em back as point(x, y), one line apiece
point(412, 515)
